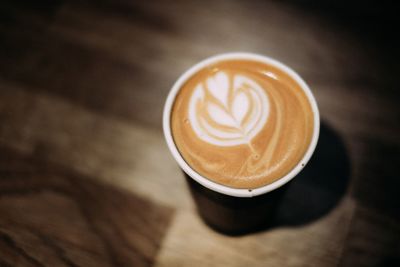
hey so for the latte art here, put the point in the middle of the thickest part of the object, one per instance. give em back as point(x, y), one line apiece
point(228, 110)
point(242, 123)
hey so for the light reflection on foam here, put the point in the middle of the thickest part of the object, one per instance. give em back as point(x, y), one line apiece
point(271, 75)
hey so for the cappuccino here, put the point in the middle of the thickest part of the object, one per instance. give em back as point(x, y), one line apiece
point(242, 123)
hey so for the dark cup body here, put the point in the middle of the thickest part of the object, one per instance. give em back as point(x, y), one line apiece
point(235, 215)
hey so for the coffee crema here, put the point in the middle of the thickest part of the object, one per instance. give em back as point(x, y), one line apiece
point(242, 123)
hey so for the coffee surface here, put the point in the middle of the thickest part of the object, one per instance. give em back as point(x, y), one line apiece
point(242, 123)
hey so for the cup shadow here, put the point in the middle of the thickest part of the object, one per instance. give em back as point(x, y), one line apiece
point(318, 188)
point(310, 195)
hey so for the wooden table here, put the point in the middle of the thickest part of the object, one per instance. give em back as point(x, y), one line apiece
point(85, 175)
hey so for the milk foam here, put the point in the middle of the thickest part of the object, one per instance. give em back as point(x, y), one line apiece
point(228, 109)
point(242, 123)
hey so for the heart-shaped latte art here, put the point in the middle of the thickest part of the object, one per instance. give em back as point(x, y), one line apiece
point(228, 110)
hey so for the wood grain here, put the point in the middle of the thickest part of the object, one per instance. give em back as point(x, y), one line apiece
point(52, 217)
point(279, 247)
point(85, 175)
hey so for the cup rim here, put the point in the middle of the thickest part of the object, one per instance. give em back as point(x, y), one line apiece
point(223, 189)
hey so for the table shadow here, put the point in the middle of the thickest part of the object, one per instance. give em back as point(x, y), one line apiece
point(321, 184)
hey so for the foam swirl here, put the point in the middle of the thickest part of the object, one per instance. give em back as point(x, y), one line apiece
point(228, 109)
point(242, 123)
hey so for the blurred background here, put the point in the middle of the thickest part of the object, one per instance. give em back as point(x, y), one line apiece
point(86, 178)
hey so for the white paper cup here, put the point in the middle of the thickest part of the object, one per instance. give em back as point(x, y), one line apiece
point(235, 192)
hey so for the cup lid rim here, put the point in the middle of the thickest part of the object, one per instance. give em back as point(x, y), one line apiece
point(223, 189)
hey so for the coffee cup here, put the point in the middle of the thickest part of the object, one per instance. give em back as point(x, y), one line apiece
point(256, 110)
